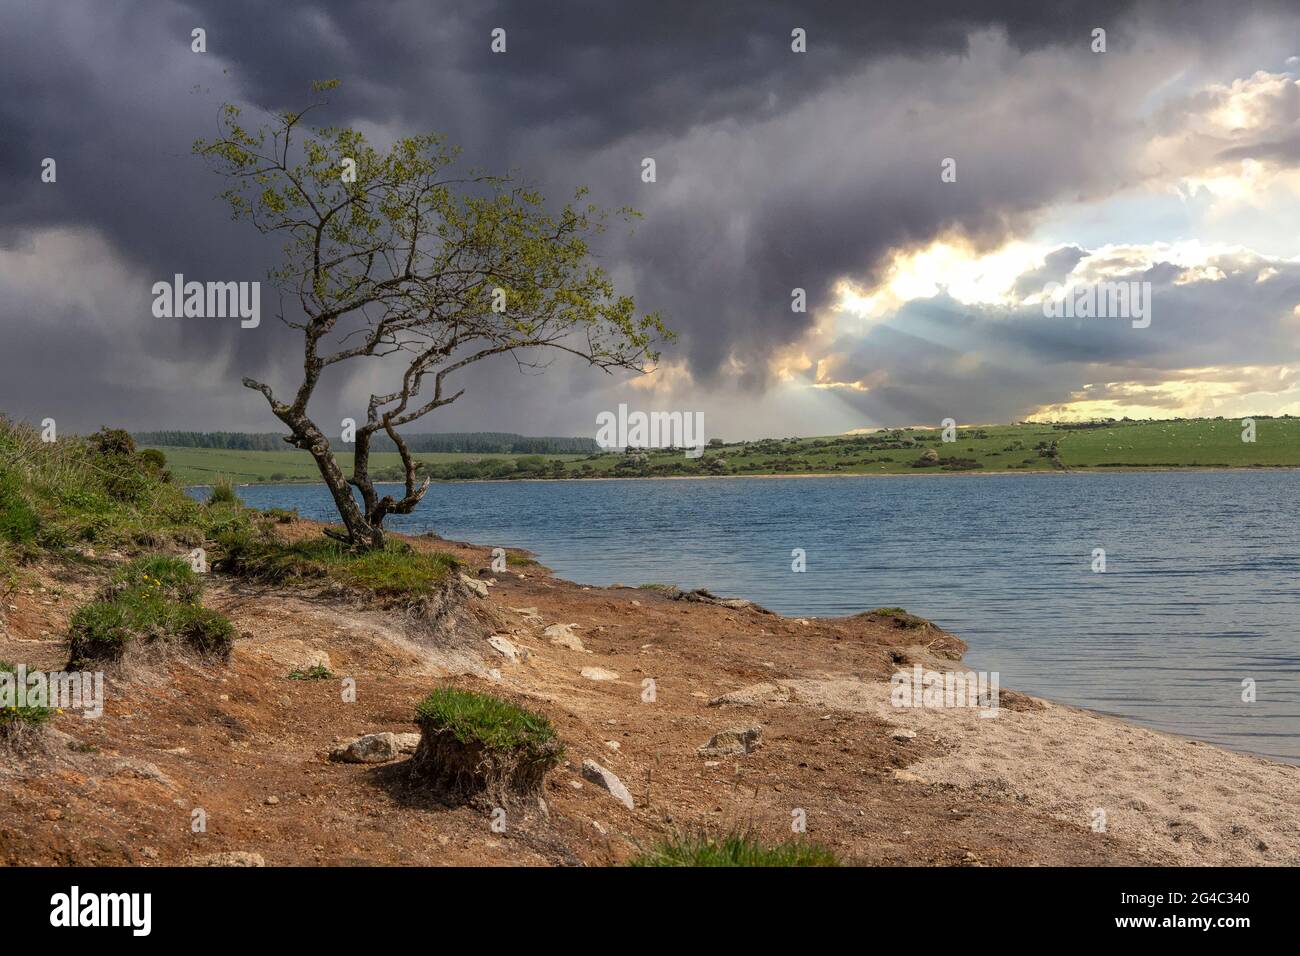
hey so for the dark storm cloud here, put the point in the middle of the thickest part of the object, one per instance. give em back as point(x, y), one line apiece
point(775, 170)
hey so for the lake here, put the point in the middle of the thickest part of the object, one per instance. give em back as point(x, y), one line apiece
point(1201, 589)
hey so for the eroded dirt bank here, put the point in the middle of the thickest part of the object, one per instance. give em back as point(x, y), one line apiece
point(250, 748)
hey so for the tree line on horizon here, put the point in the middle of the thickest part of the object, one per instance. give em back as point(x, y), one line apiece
point(479, 443)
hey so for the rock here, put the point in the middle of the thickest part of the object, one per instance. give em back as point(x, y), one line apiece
point(607, 779)
point(271, 801)
point(142, 769)
point(701, 596)
point(613, 745)
point(478, 587)
point(236, 858)
point(504, 648)
point(598, 673)
point(562, 635)
point(734, 740)
point(315, 658)
point(753, 696)
point(372, 748)
point(903, 735)
point(406, 743)
point(906, 776)
point(296, 655)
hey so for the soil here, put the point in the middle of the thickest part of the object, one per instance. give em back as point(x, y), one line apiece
point(249, 747)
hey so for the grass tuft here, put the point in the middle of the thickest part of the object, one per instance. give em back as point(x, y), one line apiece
point(153, 598)
point(223, 493)
point(482, 719)
point(315, 672)
point(733, 849)
point(474, 746)
point(13, 717)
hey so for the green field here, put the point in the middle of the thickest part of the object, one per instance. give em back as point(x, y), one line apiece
point(201, 466)
point(1194, 443)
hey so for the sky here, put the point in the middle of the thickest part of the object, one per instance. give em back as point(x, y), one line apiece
point(928, 173)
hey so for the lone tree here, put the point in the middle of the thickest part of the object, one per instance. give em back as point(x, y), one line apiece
point(395, 256)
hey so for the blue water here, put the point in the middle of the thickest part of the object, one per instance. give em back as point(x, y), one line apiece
point(1201, 589)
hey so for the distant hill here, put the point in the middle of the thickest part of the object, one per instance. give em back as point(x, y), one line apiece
point(502, 443)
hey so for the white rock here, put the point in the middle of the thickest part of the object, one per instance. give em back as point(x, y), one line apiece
point(607, 779)
point(372, 748)
point(504, 648)
point(598, 673)
point(613, 745)
point(903, 734)
point(562, 634)
point(478, 587)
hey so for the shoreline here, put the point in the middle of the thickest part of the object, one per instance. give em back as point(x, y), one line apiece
point(919, 473)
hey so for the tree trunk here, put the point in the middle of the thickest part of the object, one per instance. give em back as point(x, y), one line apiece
point(362, 533)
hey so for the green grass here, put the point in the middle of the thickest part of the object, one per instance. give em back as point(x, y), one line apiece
point(315, 672)
point(152, 599)
point(733, 849)
point(900, 617)
point(398, 570)
point(222, 493)
point(1022, 447)
point(204, 466)
point(489, 721)
point(1203, 443)
point(27, 715)
point(78, 492)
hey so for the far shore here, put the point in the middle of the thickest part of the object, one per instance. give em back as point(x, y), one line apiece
point(973, 473)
